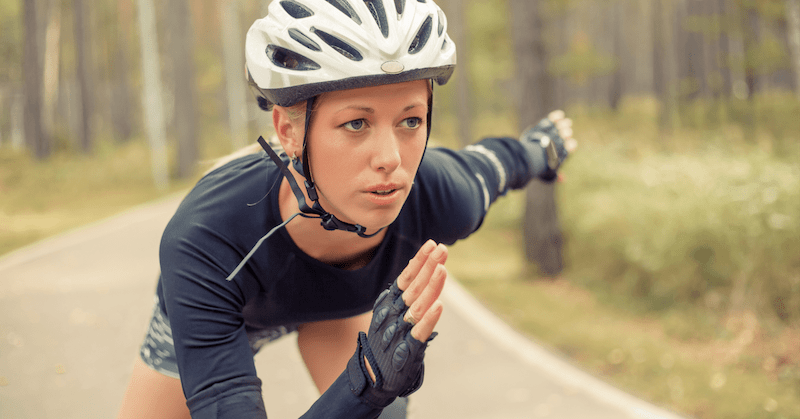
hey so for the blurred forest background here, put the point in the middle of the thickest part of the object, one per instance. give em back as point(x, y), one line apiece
point(678, 226)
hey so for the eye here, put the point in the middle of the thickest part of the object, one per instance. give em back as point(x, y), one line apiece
point(354, 125)
point(413, 122)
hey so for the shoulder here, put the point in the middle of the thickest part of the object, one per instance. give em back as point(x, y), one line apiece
point(446, 199)
point(225, 211)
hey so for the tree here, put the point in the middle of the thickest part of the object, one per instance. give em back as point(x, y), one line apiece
point(151, 97)
point(752, 38)
point(617, 77)
point(793, 26)
point(32, 74)
point(52, 50)
point(233, 51)
point(83, 50)
point(541, 231)
point(182, 52)
point(120, 79)
point(463, 101)
point(726, 87)
point(665, 67)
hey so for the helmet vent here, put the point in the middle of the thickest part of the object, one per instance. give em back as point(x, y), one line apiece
point(441, 22)
point(339, 45)
point(296, 10)
point(291, 60)
point(422, 36)
point(304, 40)
point(379, 14)
point(345, 8)
point(399, 5)
point(421, 1)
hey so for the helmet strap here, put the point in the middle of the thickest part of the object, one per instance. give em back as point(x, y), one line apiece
point(327, 220)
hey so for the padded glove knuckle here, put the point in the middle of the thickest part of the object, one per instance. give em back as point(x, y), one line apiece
point(395, 357)
point(537, 134)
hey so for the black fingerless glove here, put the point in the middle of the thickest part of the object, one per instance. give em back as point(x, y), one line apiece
point(395, 356)
point(546, 138)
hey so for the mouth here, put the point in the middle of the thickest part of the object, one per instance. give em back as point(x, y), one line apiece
point(383, 192)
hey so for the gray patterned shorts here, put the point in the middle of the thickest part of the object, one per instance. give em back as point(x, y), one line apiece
point(158, 352)
point(158, 349)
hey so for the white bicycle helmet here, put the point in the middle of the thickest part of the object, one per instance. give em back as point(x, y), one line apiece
point(306, 47)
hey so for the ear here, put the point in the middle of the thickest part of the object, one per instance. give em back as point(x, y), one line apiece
point(289, 134)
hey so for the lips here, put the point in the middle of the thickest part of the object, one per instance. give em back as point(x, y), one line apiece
point(383, 189)
point(384, 194)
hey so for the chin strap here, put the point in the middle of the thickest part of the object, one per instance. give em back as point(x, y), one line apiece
point(327, 220)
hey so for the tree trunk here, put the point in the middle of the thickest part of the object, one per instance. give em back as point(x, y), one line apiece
point(32, 73)
point(463, 100)
point(694, 53)
point(121, 103)
point(182, 53)
point(793, 35)
point(617, 77)
point(52, 52)
point(751, 42)
point(639, 41)
point(724, 56)
point(541, 230)
point(233, 51)
point(665, 65)
point(151, 96)
point(83, 50)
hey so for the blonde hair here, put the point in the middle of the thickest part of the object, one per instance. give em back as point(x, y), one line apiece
point(296, 112)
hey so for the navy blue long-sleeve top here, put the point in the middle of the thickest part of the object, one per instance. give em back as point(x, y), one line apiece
point(214, 228)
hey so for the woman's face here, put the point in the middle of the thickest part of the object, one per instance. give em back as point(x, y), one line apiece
point(364, 148)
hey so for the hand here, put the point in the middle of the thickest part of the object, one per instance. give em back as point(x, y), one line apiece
point(389, 359)
point(553, 137)
point(564, 126)
point(422, 282)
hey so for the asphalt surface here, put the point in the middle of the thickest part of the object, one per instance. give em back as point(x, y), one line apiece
point(74, 309)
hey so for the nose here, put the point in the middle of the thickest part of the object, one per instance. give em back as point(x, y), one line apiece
point(386, 154)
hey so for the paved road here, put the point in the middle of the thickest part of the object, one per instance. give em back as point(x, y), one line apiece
point(74, 308)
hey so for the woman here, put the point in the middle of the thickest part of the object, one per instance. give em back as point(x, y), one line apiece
point(266, 245)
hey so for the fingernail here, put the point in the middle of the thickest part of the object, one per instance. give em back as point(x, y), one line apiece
point(428, 247)
point(439, 252)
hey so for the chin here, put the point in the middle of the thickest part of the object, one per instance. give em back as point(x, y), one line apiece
point(377, 219)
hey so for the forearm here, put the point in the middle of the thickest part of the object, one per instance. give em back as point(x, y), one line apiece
point(241, 399)
point(339, 401)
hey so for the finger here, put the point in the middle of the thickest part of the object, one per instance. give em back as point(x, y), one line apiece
point(556, 115)
point(571, 145)
point(437, 257)
point(422, 330)
point(565, 132)
point(415, 264)
point(564, 123)
point(428, 296)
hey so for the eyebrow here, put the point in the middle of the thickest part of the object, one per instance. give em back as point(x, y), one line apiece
point(372, 111)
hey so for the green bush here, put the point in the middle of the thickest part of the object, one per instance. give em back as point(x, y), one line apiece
point(712, 226)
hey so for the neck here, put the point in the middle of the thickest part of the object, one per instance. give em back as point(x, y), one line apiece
point(339, 248)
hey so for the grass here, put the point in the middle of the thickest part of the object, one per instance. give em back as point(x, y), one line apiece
point(41, 199)
point(677, 248)
point(655, 356)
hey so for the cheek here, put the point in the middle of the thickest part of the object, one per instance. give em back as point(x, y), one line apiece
point(415, 151)
point(331, 165)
